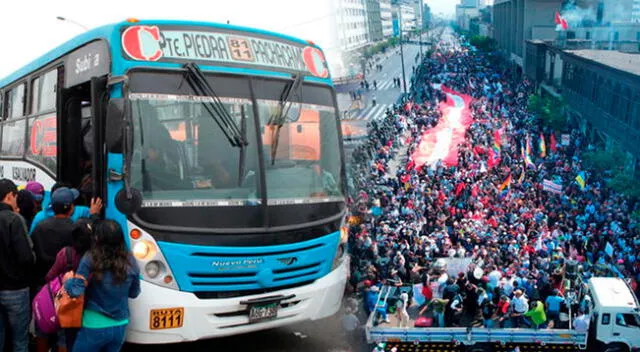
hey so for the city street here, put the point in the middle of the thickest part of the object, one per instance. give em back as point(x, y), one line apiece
point(386, 93)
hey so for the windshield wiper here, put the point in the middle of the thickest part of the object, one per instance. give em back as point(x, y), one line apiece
point(278, 119)
point(215, 108)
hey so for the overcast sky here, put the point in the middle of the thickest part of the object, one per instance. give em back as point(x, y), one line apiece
point(30, 27)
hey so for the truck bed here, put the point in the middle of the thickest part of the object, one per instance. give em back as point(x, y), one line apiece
point(391, 332)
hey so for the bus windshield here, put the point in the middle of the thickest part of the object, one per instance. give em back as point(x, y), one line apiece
point(180, 154)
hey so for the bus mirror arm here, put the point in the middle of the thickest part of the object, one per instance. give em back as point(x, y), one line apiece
point(118, 139)
point(115, 125)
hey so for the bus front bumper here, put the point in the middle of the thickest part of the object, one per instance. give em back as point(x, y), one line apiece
point(210, 318)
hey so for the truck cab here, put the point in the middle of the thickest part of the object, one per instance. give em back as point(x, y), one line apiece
point(615, 320)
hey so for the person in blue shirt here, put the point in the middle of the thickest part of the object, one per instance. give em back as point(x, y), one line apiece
point(553, 304)
point(80, 211)
point(108, 276)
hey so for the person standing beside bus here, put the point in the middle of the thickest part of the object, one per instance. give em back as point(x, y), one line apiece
point(112, 277)
point(79, 211)
point(16, 261)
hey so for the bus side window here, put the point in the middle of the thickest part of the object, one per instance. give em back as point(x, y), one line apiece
point(13, 127)
point(606, 318)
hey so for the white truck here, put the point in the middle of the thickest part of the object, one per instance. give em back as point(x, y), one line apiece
point(614, 326)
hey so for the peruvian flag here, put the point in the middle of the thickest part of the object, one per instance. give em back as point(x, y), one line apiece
point(553, 144)
point(561, 21)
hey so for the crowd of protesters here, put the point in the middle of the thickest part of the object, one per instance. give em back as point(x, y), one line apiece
point(531, 248)
point(56, 240)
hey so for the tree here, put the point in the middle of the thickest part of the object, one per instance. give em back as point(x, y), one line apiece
point(483, 43)
point(549, 110)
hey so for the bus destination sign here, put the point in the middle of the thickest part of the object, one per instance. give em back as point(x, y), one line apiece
point(152, 43)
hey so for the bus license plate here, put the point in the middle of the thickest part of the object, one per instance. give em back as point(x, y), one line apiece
point(263, 312)
point(169, 318)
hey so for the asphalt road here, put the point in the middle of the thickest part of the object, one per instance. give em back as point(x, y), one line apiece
point(387, 94)
point(320, 336)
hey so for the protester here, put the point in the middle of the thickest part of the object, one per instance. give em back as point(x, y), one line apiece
point(492, 206)
point(16, 261)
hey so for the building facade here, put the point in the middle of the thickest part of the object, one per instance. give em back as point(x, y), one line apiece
point(374, 21)
point(635, 11)
point(601, 88)
point(386, 18)
point(352, 24)
point(464, 15)
point(404, 18)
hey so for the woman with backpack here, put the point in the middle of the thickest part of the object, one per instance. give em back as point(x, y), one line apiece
point(107, 277)
point(67, 260)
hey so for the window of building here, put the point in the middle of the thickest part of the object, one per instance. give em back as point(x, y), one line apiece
point(638, 36)
point(587, 35)
point(600, 12)
point(616, 36)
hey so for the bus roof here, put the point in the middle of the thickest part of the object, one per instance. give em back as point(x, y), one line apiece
point(111, 32)
point(612, 292)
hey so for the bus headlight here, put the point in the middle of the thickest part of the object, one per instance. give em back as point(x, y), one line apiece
point(153, 266)
point(342, 247)
point(153, 269)
point(144, 250)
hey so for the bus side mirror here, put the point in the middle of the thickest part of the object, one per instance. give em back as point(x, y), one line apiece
point(113, 125)
point(128, 205)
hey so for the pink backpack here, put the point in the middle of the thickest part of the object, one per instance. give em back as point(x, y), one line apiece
point(44, 311)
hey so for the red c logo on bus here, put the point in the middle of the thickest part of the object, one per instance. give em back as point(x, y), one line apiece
point(142, 43)
point(315, 62)
point(43, 139)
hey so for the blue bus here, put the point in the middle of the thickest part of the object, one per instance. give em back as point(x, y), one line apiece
point(217, 148)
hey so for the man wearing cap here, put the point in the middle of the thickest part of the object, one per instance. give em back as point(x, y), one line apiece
point(53, 234)
point(16, 261)
point(78, 211)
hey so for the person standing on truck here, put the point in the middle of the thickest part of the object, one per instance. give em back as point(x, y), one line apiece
point(503, 312)
point(537, 315)
point(581, 322)
point(403, 315)
point(488, 312)
point(520, 306)
point(553, 304)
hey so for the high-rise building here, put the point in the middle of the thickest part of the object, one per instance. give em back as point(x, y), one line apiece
point(605, 12)
point(351, 24)
point(386, 18)
point(374, 20)
point(470, 3)
point(635, 12)
point(404, 17)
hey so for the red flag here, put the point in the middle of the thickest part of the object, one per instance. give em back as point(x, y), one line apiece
point(553, 143)
point(561, 21)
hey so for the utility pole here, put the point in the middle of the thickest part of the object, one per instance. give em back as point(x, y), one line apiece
point(404, 81)
point(421, 26)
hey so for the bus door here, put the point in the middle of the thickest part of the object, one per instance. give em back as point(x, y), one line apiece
point(82, 159)
point(81, 115)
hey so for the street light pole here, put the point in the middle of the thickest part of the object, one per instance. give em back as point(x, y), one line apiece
point(404, 81)
point(63, 19)
point(421, 26)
